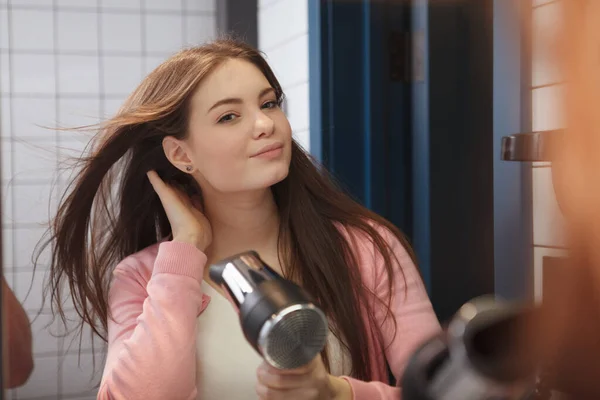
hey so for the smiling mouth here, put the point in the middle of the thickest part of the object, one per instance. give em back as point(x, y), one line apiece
point(270, 153)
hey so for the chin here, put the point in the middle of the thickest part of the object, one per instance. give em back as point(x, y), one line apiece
point(274, 176)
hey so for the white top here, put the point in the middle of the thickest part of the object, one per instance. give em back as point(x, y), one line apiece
point(227, 363)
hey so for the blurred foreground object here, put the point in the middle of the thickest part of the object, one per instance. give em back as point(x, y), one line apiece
point(570, 326)
point(16, 333)
point(482, 355)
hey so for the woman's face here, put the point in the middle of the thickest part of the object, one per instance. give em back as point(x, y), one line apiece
point(239, 139)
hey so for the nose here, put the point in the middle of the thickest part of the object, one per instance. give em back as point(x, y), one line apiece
point(264, 126)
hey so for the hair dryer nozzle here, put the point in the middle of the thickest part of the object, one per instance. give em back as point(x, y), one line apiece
point(216, 273)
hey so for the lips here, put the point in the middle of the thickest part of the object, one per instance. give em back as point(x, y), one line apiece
point(268, 148)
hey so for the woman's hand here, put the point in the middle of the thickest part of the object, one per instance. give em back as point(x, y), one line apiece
point(188, 223)
point(311, 382)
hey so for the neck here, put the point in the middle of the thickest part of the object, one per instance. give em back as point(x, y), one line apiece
point(241, 221)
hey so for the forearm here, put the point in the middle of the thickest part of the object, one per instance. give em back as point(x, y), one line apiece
point(152, 354)
point(18, 340)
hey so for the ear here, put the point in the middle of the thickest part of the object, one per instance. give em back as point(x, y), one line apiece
point(178, 153)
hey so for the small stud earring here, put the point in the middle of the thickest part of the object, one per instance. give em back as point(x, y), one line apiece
point(189, 168)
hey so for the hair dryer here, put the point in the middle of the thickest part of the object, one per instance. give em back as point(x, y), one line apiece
point(277, 317)
point(487, 352)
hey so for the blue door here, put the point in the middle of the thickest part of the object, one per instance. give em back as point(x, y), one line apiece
point(361, 104)
point(409, 102)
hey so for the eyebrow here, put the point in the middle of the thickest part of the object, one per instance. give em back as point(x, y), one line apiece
point(238, 100)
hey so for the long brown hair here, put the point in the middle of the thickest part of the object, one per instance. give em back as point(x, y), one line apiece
point(111, 211)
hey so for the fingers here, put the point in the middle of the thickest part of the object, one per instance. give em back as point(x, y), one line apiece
point(307, 383)
point(272, 378)
point(180, 193)
point(154, 179)
point(197, 203)
point(167, 193)
point(267, 393)
point(305, 369)
point(160, 187)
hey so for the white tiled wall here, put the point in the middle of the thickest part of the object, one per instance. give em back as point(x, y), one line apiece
point(283, 37)
point(66, 63)
point(548, 232)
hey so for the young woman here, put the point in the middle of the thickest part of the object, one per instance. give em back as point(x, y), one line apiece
point(198, 165)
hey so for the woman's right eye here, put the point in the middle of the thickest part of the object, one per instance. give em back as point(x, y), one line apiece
point(227, 118)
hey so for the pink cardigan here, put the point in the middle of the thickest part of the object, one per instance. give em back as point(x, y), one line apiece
point(156, 297)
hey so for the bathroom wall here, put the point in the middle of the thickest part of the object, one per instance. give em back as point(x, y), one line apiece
point(66, 63)
point(283, 37)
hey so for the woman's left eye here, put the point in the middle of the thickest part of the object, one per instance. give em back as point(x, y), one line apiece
point(270, 104)
point(227, 118)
